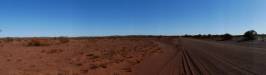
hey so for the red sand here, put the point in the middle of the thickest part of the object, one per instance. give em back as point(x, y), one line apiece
point(129, 56)
point(104, 56)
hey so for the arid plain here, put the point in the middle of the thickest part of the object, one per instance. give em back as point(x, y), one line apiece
point(128, 56)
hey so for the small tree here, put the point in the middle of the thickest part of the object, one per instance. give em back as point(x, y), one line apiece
point(227, 36)
point(209, 35)
point(250, 35)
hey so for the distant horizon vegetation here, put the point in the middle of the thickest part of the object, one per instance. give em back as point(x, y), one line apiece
point(184, 35)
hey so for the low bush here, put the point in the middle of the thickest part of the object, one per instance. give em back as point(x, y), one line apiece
point(226, 36)
point(249, 36)
point(63, 40)
point(36, 42)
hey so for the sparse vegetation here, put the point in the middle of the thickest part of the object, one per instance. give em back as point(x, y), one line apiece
point(226, 36)
point(36, 42)
point(250, 35)
point(97, 54)
point(247, 36)
point(223, 37)
point(63, 40)
point(8, 39)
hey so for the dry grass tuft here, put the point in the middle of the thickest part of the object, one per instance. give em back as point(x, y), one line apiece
point(63, 40)
point(36, 42)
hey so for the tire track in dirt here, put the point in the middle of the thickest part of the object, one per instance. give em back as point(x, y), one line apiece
point(182, 64)
point(212, 63)
point(200, 66)
point(179, 63)
point(196, 57)
point(225, 61)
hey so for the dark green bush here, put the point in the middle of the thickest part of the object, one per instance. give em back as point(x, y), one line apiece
point(250, 35)
point(227, 36)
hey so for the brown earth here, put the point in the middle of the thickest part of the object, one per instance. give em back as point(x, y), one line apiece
point(63, 56)
point(128, 56)
point(197, 57)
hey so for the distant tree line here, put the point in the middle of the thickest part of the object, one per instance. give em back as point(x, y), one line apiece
point(222, 37)
point(247, 36)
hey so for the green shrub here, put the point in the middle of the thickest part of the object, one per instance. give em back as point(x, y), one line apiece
point(227, 36)
point(250, 35)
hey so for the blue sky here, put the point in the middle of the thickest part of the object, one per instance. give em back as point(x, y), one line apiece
point(130, 17)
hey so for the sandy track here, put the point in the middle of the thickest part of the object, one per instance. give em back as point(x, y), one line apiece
point(196, 57)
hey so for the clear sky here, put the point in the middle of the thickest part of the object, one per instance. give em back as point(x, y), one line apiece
point(130, 17)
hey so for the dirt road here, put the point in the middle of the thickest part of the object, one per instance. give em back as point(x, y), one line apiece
point(197, 57)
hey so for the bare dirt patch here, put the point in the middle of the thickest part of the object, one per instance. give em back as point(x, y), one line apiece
point(73, 56)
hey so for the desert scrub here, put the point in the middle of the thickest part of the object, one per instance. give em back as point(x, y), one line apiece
point(93, 66)
point(52, 51)
point(63, 40)
point(8, 39)
point(92, 56)
point(36, 42)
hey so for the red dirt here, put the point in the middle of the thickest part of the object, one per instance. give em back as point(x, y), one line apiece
point(129, 56)
point(197, 57)
point(48, 56)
